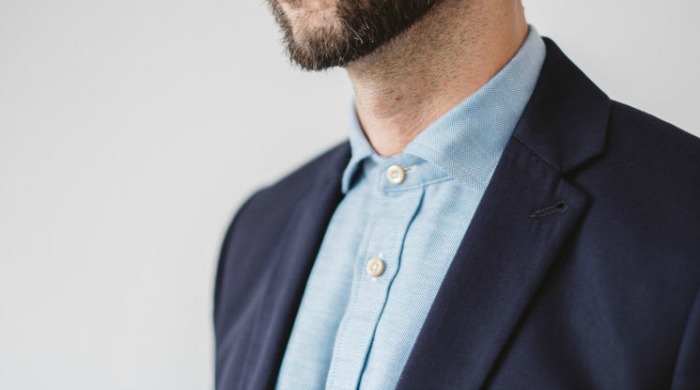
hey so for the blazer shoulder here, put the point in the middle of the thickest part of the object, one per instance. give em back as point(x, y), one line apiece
point(263, 215)
point(274, 201)
point(654, 151)
point(647, 128)
point(647, 181)
point(303, 178)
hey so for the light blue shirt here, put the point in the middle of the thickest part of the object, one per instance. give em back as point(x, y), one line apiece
point(356, 324)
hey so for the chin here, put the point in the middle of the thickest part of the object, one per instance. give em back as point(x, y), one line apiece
point(321, 34)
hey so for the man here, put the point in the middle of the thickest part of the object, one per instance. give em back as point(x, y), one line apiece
point(495, 221)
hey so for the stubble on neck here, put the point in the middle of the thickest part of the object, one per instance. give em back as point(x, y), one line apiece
point(409, 82)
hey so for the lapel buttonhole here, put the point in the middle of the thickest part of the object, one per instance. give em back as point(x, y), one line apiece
point(556, 208)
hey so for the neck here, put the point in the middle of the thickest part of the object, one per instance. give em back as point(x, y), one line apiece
point(407, 84)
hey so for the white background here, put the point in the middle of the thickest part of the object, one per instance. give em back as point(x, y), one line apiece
point(130, 131)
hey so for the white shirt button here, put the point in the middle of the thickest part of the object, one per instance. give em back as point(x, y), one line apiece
point(395, 174)
point(375, 267)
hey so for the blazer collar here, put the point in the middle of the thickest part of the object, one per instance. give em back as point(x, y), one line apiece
point(565, 122)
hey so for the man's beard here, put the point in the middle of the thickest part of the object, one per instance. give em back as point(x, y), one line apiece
point(358, 28)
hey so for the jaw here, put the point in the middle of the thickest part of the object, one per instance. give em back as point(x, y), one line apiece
point(321, 34)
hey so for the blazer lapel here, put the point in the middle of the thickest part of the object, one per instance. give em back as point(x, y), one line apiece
point(520, 226)
point(293, 260)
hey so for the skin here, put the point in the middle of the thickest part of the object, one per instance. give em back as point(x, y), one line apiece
point(409, 82)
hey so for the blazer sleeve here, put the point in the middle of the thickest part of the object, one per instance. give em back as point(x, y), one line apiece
point(223, 255)
point(687, 372)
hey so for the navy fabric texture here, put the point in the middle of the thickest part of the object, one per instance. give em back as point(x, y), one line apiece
point(580, 268)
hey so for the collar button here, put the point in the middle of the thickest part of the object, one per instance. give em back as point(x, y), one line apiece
point(395, 174)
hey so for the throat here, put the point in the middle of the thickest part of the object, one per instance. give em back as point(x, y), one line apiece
point(407, 84)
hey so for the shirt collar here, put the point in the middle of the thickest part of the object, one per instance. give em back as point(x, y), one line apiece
point(468, 140)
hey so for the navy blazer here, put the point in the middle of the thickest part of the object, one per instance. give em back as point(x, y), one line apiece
point(580, 269)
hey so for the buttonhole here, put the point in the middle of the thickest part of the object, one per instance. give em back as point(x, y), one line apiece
point(558, 207)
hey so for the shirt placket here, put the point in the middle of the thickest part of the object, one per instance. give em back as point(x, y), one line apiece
point(376, 266)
